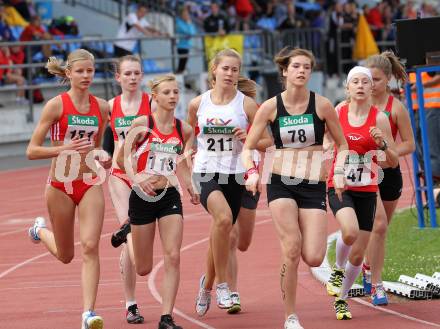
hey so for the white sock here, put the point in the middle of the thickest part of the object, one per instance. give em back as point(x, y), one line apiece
point(129, 303)
point(351, 273)
point(342, 252)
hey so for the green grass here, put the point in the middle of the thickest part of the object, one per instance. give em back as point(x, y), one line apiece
point(409, 250)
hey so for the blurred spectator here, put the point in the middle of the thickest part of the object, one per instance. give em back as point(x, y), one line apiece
point(135, 25)
point(217, 21)
point(409, 11)
point(244, 10)
point(185, 28)
point(374, 19)
point(427, 9)
point(25, 8)
point(11, 76)
point(5, 29)
point(35, 31)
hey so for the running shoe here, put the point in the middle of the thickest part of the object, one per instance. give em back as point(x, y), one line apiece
point(92, 321)
point(120, 236)
point(334, 284)
point(203, 300)
point(40, 222)
point(292, 322)
point(236, 306)
point(341, 309)
point(366, 278)
point(223, 296)
point(133, 315)
point(378, 295)
point(167, 322)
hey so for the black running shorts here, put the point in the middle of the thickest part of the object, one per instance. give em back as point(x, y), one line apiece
point(230, 185)
point(363, 203)
point(391, 186)
point(143, 210)
point(307, 194)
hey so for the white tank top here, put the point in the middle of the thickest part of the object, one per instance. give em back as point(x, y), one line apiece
point(218, 151)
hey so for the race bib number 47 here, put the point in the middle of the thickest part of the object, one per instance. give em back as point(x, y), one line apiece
point(358, 170)
point(297, 131)
point(220, 140)
point(81, 126)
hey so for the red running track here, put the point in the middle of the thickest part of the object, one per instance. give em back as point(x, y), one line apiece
point(38, 292)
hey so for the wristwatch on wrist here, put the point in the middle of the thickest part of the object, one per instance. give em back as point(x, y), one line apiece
point(384, 145)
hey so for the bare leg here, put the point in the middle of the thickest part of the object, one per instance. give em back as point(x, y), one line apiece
point(171, 233)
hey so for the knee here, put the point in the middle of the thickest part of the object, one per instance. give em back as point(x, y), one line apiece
point(172, 259)
point(350, 236)
point(356, 258)
point(143, 269)
point(243, 246)
point(292, 251)
point(90, 248)
point(314, 260)
point(380, 227)
point(66, 258)
point(223, 223)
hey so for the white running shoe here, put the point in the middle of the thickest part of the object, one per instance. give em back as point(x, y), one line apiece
point(223, 296)
point(292, 322)
point(236, 305)
point(40, 222)
point(92, 321)
point(203, 300)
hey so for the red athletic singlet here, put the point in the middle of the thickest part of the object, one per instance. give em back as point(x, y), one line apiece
point(158, 153)
point(73, 123)
point(361, 163)
point(388, 111)
point(120, 123)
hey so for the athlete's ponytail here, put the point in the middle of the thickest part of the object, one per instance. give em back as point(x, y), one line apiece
point(247, 86)
point(55, 66)
point(389, 64)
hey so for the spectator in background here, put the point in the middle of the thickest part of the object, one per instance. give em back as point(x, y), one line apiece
point(244, 10)
point(135, 25)
point(185, 28)
point(374, 19)
point(216, 22)
point(408, 10)
point(5, 29)
point(11, 76)
point(35, 31)
point(25, 8)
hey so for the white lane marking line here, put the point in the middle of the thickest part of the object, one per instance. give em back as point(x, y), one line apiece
point(326, 266)
point(156, 295)
point(30, 260)
point(408, 317)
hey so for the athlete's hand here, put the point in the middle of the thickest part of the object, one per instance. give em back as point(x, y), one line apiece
point(339, 185)
point(103, 158)
point(148, 185)
point(377, 135)
point(240, 134)
point(81, 145)
point(195, 197)
point(253, 183)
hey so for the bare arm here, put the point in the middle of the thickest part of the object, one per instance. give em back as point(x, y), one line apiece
point(51, 113)
point(134, 135)
point(384, 133)
point(407, 145)
point(264, 115)
point(191, 119)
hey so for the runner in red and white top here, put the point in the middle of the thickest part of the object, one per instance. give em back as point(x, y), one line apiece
point(76, 120)
point(383, 67)
point(151, 154)
point(366, 130)
point(126, 107)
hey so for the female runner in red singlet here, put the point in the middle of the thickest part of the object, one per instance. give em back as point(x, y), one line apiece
point(154, 145)
point(366, 130)
point(76, 120)
point(125, 108)
point(383, 67)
